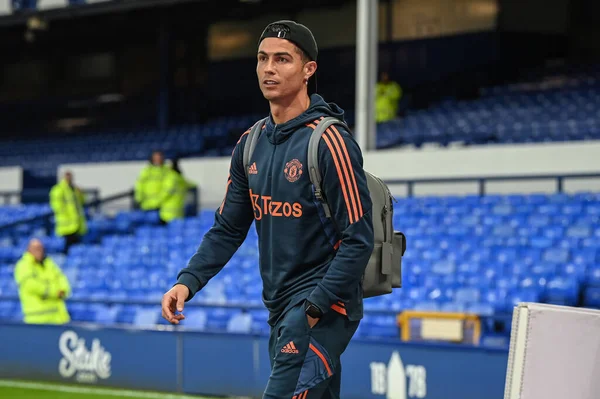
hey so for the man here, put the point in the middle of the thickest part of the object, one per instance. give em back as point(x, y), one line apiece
point(43, 287)
point(66, 201)
point(148, 187)
point(311, 266)
point(387, 97)
point(175, 188)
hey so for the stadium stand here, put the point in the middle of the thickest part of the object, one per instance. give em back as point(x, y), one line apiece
point(526, 113)
point(503, 116)
point(211, 139)
point(16, 213)
point(474, 254)
point(470, 254)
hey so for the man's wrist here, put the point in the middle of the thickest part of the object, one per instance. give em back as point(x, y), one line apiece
point(312, 310)
point(189, 281)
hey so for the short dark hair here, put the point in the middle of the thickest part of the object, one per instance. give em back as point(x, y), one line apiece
point(302, 54)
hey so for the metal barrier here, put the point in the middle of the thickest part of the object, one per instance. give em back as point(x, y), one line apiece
point(483, 180)
point(95, 205)
point(7, 196)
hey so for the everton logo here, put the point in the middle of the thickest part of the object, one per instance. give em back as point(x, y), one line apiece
point(293, 170)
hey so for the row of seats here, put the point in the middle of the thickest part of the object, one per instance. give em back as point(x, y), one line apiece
point(560, 115)
point(214, 138)
point(466, 254)
point(546, 79)
point(499, 116)
point(211, 319)
point(14, 213)
point(98, 225)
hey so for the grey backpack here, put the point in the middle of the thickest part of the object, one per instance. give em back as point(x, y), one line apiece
point(384, 270)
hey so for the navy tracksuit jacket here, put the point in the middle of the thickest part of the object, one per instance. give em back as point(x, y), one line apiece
point(302, 255)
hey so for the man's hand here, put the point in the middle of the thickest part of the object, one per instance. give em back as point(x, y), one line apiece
point(61, 294)
point(172, 301)
point(312, 321)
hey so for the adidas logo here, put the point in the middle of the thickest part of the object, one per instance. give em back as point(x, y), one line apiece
point(252, 169)
point(290, 348)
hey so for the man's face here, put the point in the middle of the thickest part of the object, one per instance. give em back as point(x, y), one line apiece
point(280, 70)
point(157, 158)
point(38, 252)
point(69, 177)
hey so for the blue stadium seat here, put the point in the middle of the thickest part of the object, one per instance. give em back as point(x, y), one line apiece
point(593, 278)
point(481, 309)
point(592, 297)
point(467, 295)
point(472, 254)
point(562, 291)
point(240, 323)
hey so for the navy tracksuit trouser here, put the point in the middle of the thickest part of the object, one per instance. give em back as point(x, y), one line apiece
point(305, 362)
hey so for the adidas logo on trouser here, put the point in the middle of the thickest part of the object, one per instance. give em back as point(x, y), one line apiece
point(290, 348)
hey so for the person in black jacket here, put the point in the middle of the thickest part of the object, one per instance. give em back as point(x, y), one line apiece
point(311, 265)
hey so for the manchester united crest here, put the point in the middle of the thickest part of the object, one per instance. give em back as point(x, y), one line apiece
point(293, 170)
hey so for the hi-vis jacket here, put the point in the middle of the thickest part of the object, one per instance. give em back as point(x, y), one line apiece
point(67, 204)
point(149, 186)
point(172, 199)
point(39, 286)
point(387, 96)
point(303, 254)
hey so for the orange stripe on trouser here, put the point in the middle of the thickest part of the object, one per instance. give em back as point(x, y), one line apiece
point(301, 396)
point(329, 373)
point(314, 349)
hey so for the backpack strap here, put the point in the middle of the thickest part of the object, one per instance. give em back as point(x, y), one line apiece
point(313, 159)
point(251, 141)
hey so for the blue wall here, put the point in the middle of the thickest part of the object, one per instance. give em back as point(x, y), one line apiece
point(231, 364)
